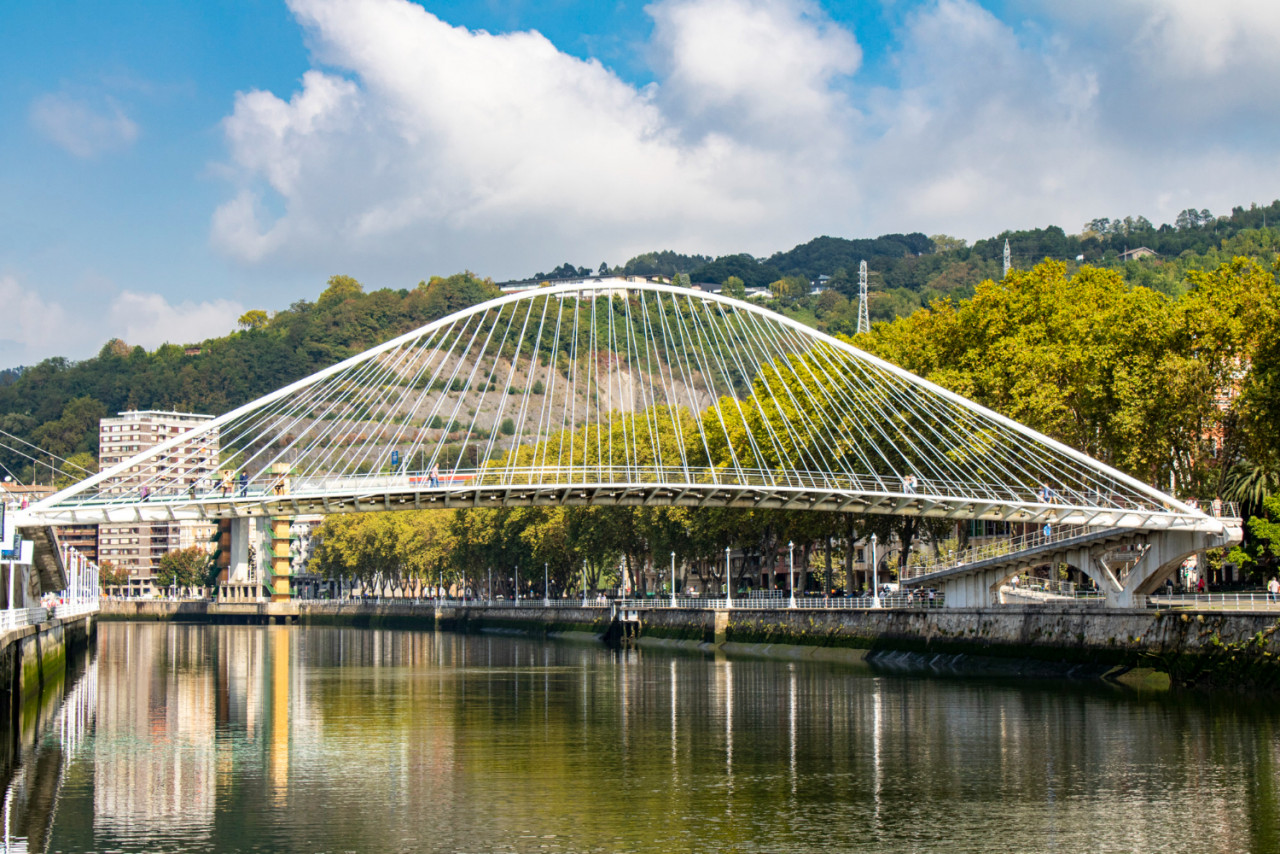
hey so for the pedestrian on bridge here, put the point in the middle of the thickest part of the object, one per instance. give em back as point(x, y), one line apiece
point(435, 475)
point(1273, 589)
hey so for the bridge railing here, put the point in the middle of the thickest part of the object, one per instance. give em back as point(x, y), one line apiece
point(266, 485)
point(1000, 548)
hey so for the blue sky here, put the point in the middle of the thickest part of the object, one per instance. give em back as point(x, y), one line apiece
point(168, 166)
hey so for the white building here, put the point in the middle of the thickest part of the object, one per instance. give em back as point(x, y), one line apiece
point(137, 547)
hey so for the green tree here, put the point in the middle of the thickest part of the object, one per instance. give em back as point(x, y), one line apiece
point(184, 568)
point(1259, 554)
point(340, 288)
point(443, 296)
point(110, 575)
point(253, 319)
point(734, 287)
point(790, 287)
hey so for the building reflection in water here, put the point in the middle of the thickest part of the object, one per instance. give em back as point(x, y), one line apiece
point(292, 739)
point(155, 754)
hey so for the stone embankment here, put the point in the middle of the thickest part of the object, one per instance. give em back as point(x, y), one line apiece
point(1155, 648)
point(33, 658)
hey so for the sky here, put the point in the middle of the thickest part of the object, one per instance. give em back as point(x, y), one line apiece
point(166, 166)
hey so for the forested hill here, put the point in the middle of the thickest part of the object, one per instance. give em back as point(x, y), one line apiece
point(57, 404)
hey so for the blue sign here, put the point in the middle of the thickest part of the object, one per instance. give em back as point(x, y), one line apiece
point(395, 458)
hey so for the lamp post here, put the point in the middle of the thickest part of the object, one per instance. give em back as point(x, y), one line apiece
point(875, 578)
point(673, 579)
point(490, 588)
point(584, 582)
point(515, 586)
point(546, 591)
point(728, 579)
point(791, 570)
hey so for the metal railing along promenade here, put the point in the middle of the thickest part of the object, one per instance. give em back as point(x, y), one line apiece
point(1243, 600)
point(17, 618)
point(702, 603)
point(782, 603)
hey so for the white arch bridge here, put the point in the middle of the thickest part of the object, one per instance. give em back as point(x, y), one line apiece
point(602, 393)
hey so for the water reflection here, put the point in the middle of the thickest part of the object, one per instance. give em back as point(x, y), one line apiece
point(308, 739)
point(50, 728)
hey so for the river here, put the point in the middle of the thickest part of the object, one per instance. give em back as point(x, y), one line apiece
point(238, 738)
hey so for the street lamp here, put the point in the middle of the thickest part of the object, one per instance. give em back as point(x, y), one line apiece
point(791, 570)
point(490, 587)
point(584, 582)
point(515, 585)
point(875, 578)
point(546, 591)
point(673, 579)
point(728, 579)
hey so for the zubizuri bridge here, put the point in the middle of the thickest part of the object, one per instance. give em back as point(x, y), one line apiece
point(638, 393)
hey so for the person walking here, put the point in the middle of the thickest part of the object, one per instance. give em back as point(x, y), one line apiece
point(1273, 589)
point(435, 475)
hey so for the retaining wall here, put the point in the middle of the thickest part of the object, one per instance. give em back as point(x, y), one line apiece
point(34, 658)
point(1210, 648)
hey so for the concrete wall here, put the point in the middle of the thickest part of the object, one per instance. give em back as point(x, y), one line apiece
point(1212, 648)
point(34, 658)
point(1209, 648)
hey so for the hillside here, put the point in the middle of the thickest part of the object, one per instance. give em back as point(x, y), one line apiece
point(56, 404)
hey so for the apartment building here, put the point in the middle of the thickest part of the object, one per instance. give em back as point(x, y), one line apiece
point(136, 547)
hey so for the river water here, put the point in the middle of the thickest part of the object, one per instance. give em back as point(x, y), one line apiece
point(237, 738)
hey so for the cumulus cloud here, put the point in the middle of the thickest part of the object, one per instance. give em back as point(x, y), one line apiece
point(454, 148)
point(82, 128)
point(754, 68)
point(414, 147)
point(31, 322)
point(37, 327)
point(149, 320)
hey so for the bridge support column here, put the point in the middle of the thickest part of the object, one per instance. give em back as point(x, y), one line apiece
point(240, 531)
point(224, 550)
point(281, 561)
point(978, 590)
point(1165, 552)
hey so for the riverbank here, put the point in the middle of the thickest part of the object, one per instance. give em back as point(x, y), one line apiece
point(34, 661)
point(1179, 648)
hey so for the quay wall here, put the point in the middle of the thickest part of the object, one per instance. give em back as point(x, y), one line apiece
point(1209, 648)
point(34, 659)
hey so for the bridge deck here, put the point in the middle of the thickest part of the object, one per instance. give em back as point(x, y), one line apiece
point(1044, 548)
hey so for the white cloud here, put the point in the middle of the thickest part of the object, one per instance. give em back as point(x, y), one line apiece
point(998, 126)
point(415, 147)
point(1187, 40)
point(37, 327)
point(149, 320)
point(763, 69)
point(449, 148)
point(31, 322)
point(80, 128)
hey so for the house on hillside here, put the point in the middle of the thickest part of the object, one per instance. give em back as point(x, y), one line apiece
point(1135, 254)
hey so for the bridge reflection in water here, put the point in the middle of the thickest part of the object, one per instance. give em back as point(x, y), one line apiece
point(395, 740)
